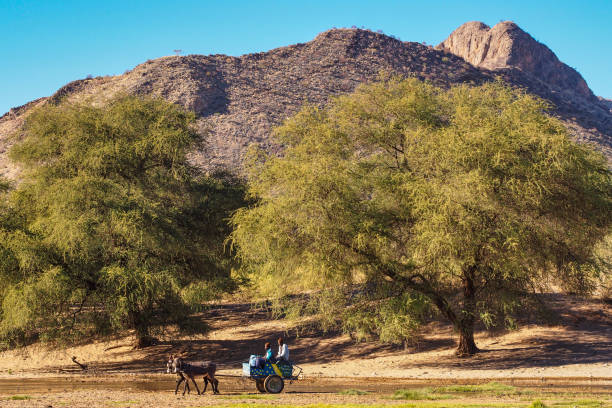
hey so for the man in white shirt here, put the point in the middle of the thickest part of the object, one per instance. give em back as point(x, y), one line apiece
point(283, 351)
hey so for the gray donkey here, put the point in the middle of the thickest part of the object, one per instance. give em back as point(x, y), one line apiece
point(182, 368)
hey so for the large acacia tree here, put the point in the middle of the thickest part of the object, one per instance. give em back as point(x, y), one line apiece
point(468, 197)
point(110, 227)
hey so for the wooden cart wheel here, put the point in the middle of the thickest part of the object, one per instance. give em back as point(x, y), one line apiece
point(260, 385)
point(274, 384)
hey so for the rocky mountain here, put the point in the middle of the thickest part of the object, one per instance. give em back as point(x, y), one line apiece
point(507, 46)
point(239, 99)
point(606, 102)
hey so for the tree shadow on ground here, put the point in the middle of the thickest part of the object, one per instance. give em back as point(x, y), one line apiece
point(585, 337)
point(580, 333)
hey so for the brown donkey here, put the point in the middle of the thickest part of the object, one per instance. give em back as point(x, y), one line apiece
point(182, 368)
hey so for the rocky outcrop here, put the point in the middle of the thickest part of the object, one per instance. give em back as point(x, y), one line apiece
point(239, 99)
point(606, 102)
point(506, 45)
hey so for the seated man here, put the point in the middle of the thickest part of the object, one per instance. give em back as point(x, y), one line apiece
point(283, 352)
point(269, 356)
point(260, 362)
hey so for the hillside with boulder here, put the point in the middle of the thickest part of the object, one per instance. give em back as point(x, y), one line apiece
point(239, 99)
point(607, 102)
point(506, 45)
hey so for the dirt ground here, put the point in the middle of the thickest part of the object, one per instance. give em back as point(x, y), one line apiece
point(574, 348)
point(576, 343)
point(135, 391)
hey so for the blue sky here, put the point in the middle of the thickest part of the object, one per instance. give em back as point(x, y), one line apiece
point(47, 43)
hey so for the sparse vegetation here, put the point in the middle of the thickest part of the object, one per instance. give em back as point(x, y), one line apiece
point(353, 392)
point(20, 397)
point(416, 404)
point(458, 391)
point(418, 395)
point(466, 396)
point(492, 387)
point(250, 397)
point(585, 403)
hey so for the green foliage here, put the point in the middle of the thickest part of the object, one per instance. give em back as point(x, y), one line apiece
point(470, 197)
point(537, 404)
point(250, 397)
point(417, 395)
point(110, 227)
point(451, 391)
point(415, 404)
point(19, 397)
point(364, 314)
point(602, 281)
point(352, 391)
point(4, 185)
point(585, 403)
point(491, 387)
point(392, 319)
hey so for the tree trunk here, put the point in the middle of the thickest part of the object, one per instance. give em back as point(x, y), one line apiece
point(467, 346)
point(141, 328)
point(144, 341)
point(465, 324)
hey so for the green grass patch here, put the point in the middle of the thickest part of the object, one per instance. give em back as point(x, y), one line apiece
point(492, 387)
point(585, 403)
point(20, 397)
point(355, 405)
point(426, 403)
point(418, 395)
point(250, 396)
point(352, 392)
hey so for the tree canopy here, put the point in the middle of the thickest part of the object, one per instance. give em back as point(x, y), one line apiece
point(110, 227)
point(402, 192)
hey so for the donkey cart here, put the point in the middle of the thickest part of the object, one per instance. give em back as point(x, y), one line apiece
point(271, 378)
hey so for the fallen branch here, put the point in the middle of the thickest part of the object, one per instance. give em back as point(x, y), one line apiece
point(83, 366)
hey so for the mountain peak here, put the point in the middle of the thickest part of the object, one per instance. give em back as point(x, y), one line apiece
point(354, 40)
point(239, 99)
point(506, 45)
